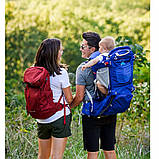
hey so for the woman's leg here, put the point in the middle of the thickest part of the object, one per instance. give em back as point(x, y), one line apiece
point(44, 148)
point(58, 147)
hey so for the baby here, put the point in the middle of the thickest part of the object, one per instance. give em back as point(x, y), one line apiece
point(102, 76)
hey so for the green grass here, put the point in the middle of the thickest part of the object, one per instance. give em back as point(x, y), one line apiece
point(21, 138)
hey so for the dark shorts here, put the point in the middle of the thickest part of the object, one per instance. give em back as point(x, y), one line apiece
point(97, 131)
point(56, 129)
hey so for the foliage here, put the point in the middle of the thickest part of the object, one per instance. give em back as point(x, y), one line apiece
point(30, 22)
point(141, 63)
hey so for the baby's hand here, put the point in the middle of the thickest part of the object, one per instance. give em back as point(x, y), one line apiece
point(83, 67)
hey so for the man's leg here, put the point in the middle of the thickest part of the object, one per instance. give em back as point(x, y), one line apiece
point(91, 134)
point(110, 154)
point(108, 139)
point(92, 155)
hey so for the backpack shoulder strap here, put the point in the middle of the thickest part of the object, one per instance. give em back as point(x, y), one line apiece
point(90, 98)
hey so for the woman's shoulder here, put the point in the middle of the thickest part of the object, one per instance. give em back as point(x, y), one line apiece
point(63, 71)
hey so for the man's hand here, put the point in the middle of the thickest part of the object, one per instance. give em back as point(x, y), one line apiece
point(80, 90)
point(83, 67)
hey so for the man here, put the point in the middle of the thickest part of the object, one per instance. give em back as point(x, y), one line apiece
point(93, 128)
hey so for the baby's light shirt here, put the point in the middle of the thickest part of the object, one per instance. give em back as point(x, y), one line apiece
point(102, 56)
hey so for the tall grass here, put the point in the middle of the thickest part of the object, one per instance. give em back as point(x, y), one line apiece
point(21, 138)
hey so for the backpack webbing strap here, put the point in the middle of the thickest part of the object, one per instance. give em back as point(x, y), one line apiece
point(64, 111)
point(64, 106)
point(60, 98)
point(90, 98)
point(112, 97)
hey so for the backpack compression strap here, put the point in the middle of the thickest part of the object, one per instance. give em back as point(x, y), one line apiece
point(64, 107)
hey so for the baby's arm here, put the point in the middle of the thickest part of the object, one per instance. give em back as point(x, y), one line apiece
point(90, 63)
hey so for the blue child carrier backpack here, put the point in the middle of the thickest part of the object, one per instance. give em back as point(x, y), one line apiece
point(120, 63)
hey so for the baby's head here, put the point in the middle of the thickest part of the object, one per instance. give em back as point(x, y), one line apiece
point(106, 44)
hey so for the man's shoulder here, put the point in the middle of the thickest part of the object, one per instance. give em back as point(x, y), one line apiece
point(80, 66)
point(86, 72)
point(84, 77)
point(94, 54)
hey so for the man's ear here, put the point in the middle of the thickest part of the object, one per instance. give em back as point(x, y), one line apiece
point(93, 49)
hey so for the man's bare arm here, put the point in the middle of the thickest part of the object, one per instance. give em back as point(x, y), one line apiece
point(80, 90)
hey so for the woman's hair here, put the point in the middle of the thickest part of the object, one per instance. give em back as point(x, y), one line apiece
point(92, 39)
point(47, 56)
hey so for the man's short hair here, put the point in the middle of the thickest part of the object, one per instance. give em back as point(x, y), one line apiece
point(92, 39)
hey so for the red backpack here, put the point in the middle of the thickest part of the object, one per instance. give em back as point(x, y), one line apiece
point(38, 94)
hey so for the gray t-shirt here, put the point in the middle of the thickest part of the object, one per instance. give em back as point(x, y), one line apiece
point(86, 78)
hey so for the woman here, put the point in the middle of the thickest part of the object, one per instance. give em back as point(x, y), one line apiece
point(52, 132)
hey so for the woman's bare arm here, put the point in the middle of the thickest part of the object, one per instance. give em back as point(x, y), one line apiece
point(80, 90)
point(68, 94)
